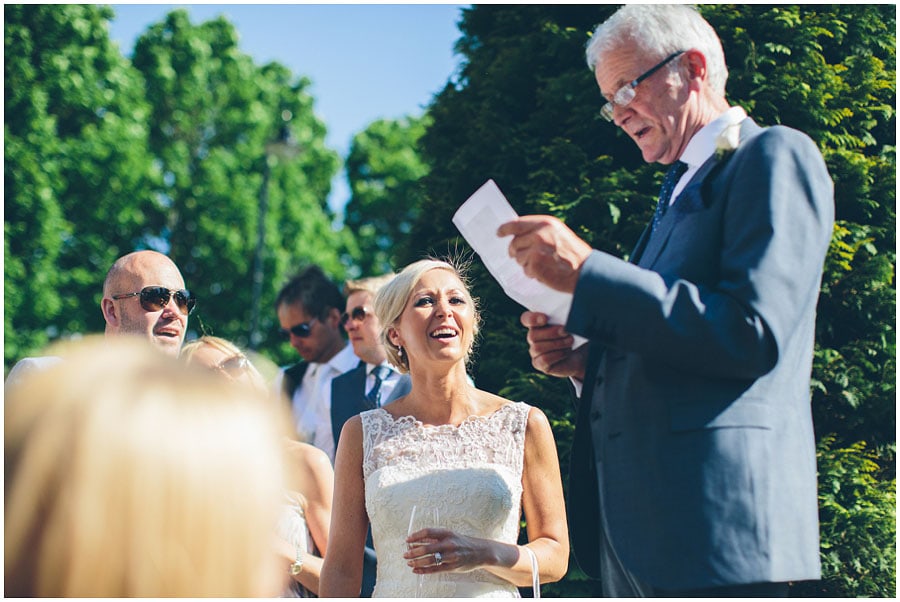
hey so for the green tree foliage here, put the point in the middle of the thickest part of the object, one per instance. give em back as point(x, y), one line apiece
point(830, 72)
point(77, 174)
point(168, 151)
point(525, 112)
point(213, 113)
point(384, 169)
point(858, 512)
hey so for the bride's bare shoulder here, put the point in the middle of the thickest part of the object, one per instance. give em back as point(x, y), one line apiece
point(489, 402)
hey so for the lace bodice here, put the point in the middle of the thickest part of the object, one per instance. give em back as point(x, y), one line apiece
point(471, 473)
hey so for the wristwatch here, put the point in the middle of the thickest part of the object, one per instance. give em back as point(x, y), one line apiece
point(297, 565)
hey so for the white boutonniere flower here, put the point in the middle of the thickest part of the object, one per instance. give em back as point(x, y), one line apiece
point(728, 141)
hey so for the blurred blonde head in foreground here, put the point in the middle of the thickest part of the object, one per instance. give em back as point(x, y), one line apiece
point(130, 475)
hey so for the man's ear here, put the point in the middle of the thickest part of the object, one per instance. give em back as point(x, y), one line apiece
point(109, 311)
point(696, 65)
point(333, 318)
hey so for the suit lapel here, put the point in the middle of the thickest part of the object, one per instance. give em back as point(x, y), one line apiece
point(656, 242)
point(348, 391)
point(358, 383)
point(649, 247)
point(638, 250)
point(348, 397)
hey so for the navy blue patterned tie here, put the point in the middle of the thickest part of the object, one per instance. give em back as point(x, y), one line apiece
point(373, 397)
point(665, 193)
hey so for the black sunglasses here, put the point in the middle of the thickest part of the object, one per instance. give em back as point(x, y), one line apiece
point(300, 330)
point(155, 298)
point(358, 313)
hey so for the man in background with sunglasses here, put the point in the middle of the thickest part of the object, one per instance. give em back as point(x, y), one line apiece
point(309, 311)
point(143, 296)
point(371, 384)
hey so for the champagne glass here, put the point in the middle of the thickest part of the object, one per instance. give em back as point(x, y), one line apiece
point(421, 518)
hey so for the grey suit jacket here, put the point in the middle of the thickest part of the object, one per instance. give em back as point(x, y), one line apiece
point(696, 401)
point(348, 396)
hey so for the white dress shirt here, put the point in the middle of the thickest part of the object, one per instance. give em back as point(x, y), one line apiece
point(703, 145)
point(342, 362)
point(311, 402)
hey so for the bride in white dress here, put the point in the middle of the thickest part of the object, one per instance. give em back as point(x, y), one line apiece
point(476, 459)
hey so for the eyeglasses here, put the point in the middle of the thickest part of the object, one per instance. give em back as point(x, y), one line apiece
point(300, 330)
point(155, 298)
point(626, 93)
point(233, 366)
point(359, 314)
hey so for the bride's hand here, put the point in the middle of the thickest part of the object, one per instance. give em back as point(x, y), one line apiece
point(550, 347)
point(438, 550)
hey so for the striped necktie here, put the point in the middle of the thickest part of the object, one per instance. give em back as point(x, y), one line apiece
point(373, 397)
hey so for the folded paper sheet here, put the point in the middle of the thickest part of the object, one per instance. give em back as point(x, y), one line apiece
point(477, 220)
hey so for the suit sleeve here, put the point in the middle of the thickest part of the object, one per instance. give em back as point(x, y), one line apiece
point(775, 224)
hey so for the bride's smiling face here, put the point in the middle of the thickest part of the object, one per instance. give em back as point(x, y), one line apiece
point(438, 321)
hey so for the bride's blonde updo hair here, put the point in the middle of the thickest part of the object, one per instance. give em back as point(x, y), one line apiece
point(391, 300)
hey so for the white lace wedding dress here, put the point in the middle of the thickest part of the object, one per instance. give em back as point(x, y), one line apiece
point(471, 473)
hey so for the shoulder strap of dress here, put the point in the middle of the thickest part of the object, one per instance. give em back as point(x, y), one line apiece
point(522, 412)
point(523, 409)
point(369, 419)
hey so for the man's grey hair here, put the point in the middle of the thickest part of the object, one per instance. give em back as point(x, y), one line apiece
point(659, 30)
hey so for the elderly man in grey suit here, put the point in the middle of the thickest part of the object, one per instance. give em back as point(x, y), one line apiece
point(693, 467)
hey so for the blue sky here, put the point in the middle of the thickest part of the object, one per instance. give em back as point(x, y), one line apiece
point(365, 61)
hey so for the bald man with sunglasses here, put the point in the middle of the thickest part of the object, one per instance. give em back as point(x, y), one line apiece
point(143, 295)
